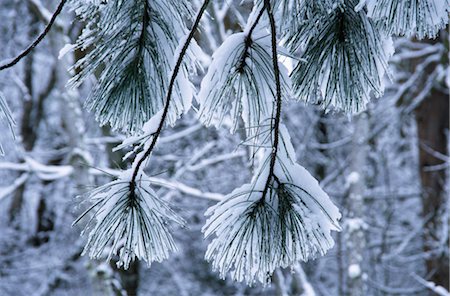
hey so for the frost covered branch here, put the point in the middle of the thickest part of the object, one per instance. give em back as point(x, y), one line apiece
point(127, 213)
point(5, 113)
point(439, 290)
point(240, 80)
point(257, 231)
point(165, 111)
point(53, 173)
point(133, 45)
point(281, 217)
point(133, 221)
point(346, 60)
point(410, 17)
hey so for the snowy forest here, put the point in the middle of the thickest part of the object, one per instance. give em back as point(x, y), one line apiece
point(224, 147)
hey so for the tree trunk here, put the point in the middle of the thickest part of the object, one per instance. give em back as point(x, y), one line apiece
point(432, 117)
point(354, 224)
point(26, 127)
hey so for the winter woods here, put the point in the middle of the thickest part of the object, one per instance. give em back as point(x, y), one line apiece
point(151, 71)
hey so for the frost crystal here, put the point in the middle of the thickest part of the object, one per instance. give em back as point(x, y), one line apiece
point(130, 224)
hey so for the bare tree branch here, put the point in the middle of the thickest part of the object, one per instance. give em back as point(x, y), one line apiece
point(38, 39)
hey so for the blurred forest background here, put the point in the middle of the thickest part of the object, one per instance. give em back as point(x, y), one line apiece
point(387, 170)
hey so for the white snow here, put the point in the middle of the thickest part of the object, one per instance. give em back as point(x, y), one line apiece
point(353, 224)
point(247, 93)
point(65, 50)
point(128, 238)
point(143, 139)
point(439, 290)
point(353, 178)
point(360, 5)
point(354, 271)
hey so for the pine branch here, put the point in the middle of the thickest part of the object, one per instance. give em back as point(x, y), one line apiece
point(38, 39)
point(134, 222)
point(127, 212)
point(346, 60)
point(281, 217)
point(257, 232)
point(169, 95)
point(240, 80)
point(276, 69)
point(301, 20)
point(420, 18)
point(132, 44)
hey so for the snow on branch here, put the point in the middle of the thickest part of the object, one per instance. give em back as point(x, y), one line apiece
point(420, 18)
point(439, 290)
point(134, 43)
point(257, 231)
point(5, 191)
point(52, 173)
point(183, 188)
point(130, 224)
point(44, 172)
point(126, 212)
point(239, 81)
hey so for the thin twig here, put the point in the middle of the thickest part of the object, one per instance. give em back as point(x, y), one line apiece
point(276, 69)
point(38, 39)
point(248, 40)
point(169, 95)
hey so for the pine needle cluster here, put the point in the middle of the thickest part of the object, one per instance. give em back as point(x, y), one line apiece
point(239, 82)
point(410, 17)
point(258, 230)
point(129, 221)
point(130, 47)
point(343, 68)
